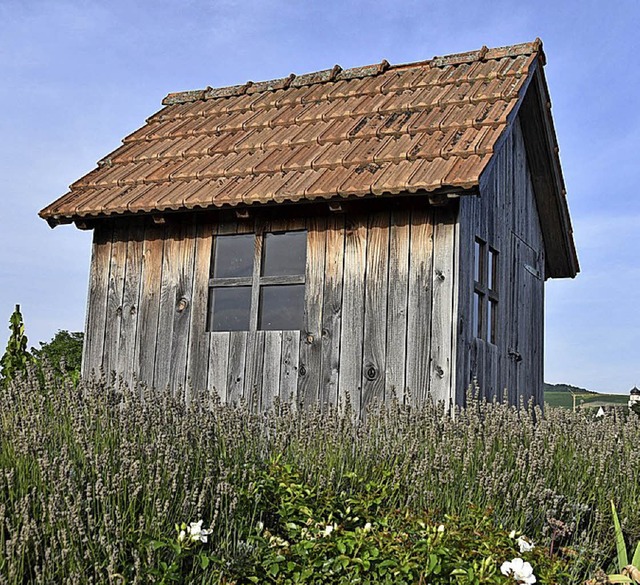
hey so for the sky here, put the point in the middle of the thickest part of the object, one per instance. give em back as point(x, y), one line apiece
point(77, 76)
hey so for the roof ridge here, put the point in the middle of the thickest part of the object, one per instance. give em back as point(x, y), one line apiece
point(336, 73)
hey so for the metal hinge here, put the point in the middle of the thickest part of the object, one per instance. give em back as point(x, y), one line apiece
point(531, 270)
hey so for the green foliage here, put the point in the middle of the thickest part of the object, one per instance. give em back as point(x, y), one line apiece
point(16, 358)
point(627, 573)
point(308, 535)
point(63, 352)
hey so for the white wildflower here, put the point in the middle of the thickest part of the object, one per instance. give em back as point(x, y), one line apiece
point(524, 544)
point(329, 528)
point(441, 528)
point(367, 527)
point(182, 535)
point(512, 534)
point(197, 533)
point(520, 570)
point(260, 526)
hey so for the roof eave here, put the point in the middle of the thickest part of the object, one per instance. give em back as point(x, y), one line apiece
point(534, 110)
point(546, 174)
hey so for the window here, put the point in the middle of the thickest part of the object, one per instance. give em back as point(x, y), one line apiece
point(257, 281)
point(485, 291)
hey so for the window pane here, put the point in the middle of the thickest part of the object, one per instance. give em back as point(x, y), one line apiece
point(477, 315)
point(493, 269)
point(478, 257)
point(229, 308)
point(284, 254)
point(233, 256)
point(281, 307)
point(491, 321)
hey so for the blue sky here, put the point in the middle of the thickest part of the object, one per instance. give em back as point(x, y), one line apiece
point(79, 75)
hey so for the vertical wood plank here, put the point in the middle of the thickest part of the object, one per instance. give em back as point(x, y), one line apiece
point(237, 356)
point(442, 307)
point(198, 358)
point(126, 362)
point(166, 316)
point(150, 284)
point(97, 301)
point(114, 297)
point(254, 362)
point(419, 305)
point(218, 370)
point(465, 348)
point(375, 313)
point(183, 305)
point(353, 291)
point(332, 310)
point(311, 337)
point(398, 288)
point(289, 367)
point(271, 368)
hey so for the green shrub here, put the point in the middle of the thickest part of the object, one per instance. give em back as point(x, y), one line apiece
point(16, 358)
point(63, 352)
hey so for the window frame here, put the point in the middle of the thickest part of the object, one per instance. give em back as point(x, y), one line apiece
point(486, 296)
point(256, 281)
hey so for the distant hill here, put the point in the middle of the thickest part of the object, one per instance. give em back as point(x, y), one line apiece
point(564, 395)
point(566, 388)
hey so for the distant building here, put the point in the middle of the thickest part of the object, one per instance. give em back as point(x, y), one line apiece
point(634, 397)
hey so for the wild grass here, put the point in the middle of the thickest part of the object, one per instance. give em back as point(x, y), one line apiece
point(90, 475)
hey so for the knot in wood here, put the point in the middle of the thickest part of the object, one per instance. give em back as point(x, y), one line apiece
point(440, 274)
point(371, 373)
point(439, 371)
point(302, 371)
point(309, 338)
point(182, 305)
point(132, 310)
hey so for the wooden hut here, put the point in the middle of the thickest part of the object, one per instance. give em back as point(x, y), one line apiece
point(378, 231)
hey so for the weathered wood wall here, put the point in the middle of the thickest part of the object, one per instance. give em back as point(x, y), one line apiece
point(380, 299)
point(506, 217)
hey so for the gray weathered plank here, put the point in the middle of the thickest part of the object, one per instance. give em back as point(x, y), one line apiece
point(253, 369)
point(353, 291)
point(126, 361)
point(309, 374)
point(375, 312)
point(398, 288)
point(332, 310)
point(97, 301)
point(289, 367)
point(150, 283)
point(237, 356)
point(271, 368)
point(419, 305)
point(166, 315)
point(183, 305)
point(218, 367)
point(198, 358)
point(442, 307)
point(114, 297)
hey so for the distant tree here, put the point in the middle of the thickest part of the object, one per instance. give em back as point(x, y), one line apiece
point(16, 357)
point(63, 352)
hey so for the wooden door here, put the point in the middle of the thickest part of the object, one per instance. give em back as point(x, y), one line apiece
point(525, 345)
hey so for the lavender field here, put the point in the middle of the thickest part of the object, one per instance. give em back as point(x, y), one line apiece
point(95, 477)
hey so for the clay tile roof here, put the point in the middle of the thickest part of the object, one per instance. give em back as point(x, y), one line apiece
point(376, 130)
